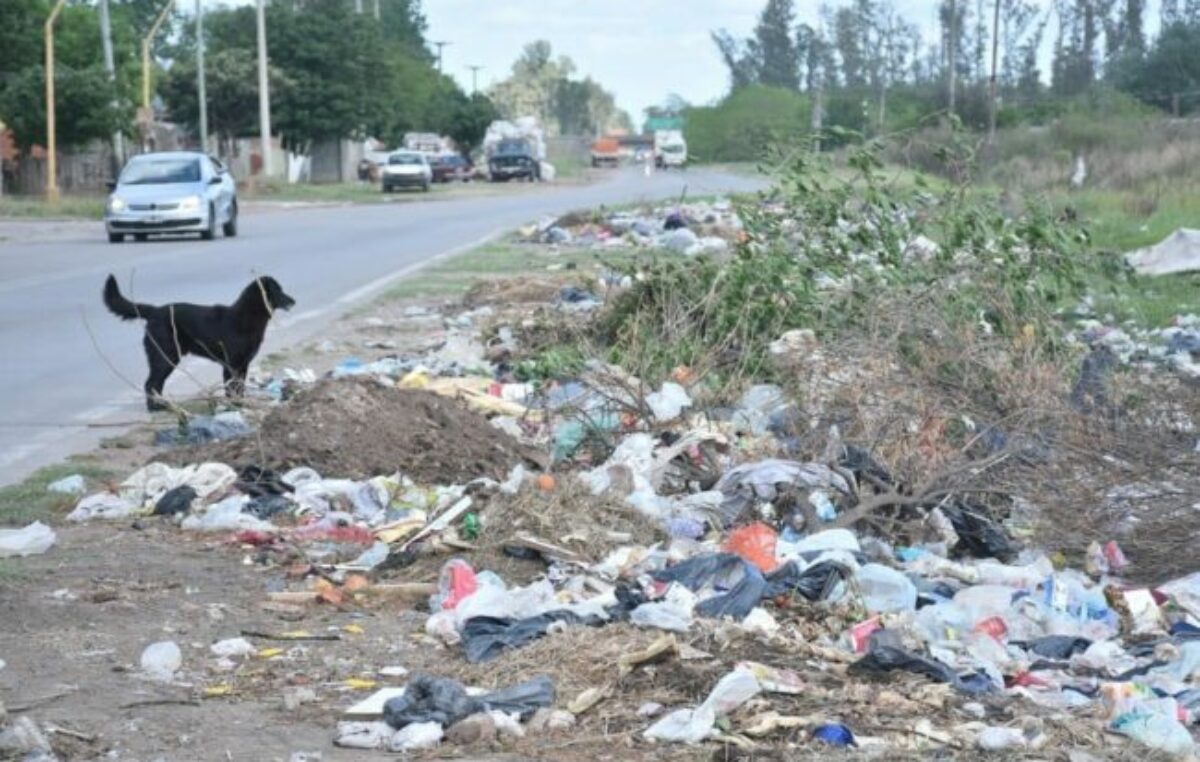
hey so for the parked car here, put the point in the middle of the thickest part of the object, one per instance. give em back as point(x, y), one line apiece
point(513, 157)
point(451, 166)
point(171, 192)
point(406, 169)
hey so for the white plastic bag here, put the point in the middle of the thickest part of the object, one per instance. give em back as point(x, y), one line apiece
point(33, 540)
point(668, 403)
point(226, 516)
point(885, 590)
point(695, 725)
point(161, 661)
point(102, 505)
point(673, 612)
point(418, 735)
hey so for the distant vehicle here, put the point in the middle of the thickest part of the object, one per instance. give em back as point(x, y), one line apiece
point(513, 157)
point(171, 192)
point(670, 149)
point(406, 169)
point(606, 152)
point(451, 166)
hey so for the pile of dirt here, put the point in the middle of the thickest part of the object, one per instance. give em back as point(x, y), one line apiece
point(509, 291)
point(356, 428)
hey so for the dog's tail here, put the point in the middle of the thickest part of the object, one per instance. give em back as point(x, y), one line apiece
point(120, 306)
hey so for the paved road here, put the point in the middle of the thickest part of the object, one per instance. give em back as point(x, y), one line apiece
point(56, 384)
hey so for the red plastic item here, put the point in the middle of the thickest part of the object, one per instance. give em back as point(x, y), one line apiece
point(993, 626)
point(255, 537)
point(456, 583)
point(1025, 680)
point(321, 530)
point(755, 543)
point(860, 634)
point(1114, 555)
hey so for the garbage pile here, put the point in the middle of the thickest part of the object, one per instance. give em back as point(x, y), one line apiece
point(691, 229)
point(1176, 347)
point(771, 556)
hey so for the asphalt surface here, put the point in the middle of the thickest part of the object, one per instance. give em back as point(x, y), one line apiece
point(71, 373)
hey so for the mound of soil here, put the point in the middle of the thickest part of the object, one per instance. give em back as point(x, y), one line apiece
point(356, 428)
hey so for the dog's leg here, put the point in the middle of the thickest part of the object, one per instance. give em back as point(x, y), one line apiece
point(235, 381)
point(162, 361)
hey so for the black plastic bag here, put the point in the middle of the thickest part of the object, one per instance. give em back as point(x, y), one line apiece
point(445, 701)
point(978, 535)
point(173, 501)
point(746, 584)
point(1058, 647)
point(266, 506)
point(816, 583)
point(859, 461)
point(486, 637)
point(257, 481)
point(886, 653)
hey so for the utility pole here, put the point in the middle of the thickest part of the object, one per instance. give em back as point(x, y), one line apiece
point(951, 53)
point(991, 136)
point(264, 95)
point(440, 44)
point(51, 134)
point(474, 77)
point(147, 116)
point(200, 94)
point(118, 139)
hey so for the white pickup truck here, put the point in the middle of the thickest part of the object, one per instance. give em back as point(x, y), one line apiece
point(670, 149)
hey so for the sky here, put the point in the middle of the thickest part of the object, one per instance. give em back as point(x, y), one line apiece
point(641, 50)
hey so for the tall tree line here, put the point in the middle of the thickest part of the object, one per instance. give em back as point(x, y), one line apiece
point(861, 53)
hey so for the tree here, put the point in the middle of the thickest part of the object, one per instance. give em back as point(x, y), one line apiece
point(231, 76)
point(743, 70)
point(773, 47)
point(83, 105)
point(469, 122)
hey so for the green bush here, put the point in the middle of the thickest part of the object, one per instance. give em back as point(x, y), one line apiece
point(741, 127)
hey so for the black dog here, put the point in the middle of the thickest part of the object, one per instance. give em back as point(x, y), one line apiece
point(229, 335)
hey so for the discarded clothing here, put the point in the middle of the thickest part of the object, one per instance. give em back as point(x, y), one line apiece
point(257, 481)
point(202, 429)
point(886, 653)
point(816, 583)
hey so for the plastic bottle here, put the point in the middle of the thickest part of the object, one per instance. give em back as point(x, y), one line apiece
point(885, 590)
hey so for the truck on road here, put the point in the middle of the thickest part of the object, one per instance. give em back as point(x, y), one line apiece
point(606, 152)
point(670, 149)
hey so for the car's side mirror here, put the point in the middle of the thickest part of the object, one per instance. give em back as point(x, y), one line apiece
point(110, 184)
point(214, 180)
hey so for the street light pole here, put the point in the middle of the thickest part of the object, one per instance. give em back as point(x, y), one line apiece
point(200, 94)
point(51, 133)
point(264, 95)
point(440, 44)
point(147, 116)
point(118, 139)
point(474, 77)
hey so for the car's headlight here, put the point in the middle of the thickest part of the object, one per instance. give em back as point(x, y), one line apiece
point(189, 204)
point(115, 204)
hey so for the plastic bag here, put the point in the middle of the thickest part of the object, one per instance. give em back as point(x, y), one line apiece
point(418, 735)
point(755, 543)
point(1156, 731)
point(176, 500)
point(102, 505)
point(760, 482)
point(485, 637)
point(1060, 647)
point(818, 582)
point(979, 536)
point(668, 403)
point(745, 583)
point(162, 660)
point(673, 612)
point(885, 590)
point(695, 725)
point(224, 516)
point(444, 701)
point(456, 582)
point(33, 540)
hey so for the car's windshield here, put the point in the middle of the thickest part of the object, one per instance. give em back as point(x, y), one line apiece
point(673, 148)
point(512, 147)
point(404, 158)
point(161, 172)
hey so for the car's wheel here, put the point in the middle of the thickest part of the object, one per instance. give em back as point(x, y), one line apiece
point(230, 228)
point(140, 237)
point(116, 237)
point(210, 232)
point(425, 186)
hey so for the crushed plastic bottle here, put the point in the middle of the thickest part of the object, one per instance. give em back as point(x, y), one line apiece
point(456, 582)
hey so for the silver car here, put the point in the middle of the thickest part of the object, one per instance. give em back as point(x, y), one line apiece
point(171, 192)
point(406, 169)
